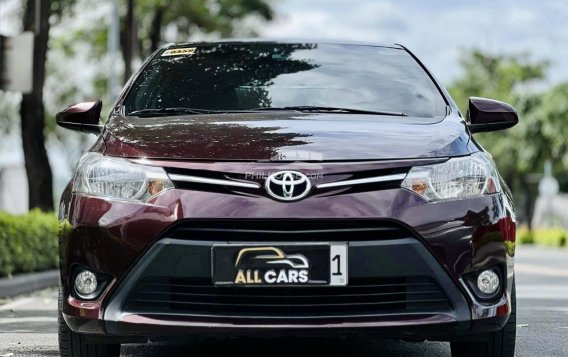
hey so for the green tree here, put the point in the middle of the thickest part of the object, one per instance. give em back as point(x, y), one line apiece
point(545, 133)
point(539, 136)
point(503, 77)
point(217, 16)
point(142, 23)
point(36, 18)
point(507, 78)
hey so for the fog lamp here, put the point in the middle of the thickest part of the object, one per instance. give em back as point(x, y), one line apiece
point(86, 283)
point(488, 282)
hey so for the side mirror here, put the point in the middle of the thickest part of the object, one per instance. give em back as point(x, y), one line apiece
point(490, 115)
point(82, 117)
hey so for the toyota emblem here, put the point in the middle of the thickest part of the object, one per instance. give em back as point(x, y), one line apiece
point(288, 185)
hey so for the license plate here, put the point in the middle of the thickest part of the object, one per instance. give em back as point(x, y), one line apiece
point(279, 264)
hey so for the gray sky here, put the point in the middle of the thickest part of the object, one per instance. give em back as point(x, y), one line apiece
point(436, 30)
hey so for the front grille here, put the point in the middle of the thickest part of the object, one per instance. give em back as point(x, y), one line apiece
point(288, 230)
point(362, 297)
point(220, 182)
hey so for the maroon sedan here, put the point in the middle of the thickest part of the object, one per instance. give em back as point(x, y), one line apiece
point(286, 188)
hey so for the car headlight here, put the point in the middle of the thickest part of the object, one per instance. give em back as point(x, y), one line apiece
point(457, 178)
point(100, 175)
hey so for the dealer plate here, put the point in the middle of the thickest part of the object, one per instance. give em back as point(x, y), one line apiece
point(292, 264)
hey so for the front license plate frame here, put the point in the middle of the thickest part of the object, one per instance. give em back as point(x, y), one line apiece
point(279, 264)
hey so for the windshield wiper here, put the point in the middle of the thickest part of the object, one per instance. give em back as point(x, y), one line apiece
point(302, 108)
point(321, 109)
point(170, 111)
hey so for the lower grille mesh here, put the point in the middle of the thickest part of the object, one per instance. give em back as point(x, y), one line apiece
point(288, 230)
point(363, 297)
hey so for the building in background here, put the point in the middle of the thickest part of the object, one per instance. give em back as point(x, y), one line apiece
point(13, 180)
point(63, 157)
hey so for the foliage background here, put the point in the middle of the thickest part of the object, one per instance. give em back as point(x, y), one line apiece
point(28, 242)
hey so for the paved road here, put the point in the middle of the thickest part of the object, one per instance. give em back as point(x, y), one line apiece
point(28, 325)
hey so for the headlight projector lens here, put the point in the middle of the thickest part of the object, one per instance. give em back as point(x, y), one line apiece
point(86, 283)
point(488, 282)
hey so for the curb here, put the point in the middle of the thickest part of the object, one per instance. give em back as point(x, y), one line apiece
point(25, 283)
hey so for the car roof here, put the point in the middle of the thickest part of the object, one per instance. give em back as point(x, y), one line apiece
point(282, 41)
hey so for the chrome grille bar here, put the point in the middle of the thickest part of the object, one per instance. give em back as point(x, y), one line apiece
point(210, 181)
point(386, 178)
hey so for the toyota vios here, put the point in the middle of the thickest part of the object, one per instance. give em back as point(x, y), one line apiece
point(245, 188)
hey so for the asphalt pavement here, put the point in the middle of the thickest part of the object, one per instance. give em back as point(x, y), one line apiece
point(28, 325)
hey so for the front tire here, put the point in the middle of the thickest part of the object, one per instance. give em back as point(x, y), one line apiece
point(497, 344)
point(73, 344)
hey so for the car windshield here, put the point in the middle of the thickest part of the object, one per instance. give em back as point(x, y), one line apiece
point(251, 76)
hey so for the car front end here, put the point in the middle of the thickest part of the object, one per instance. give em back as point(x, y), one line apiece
point(290, 221)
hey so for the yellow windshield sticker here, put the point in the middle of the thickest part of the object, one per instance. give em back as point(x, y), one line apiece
point(188, 51)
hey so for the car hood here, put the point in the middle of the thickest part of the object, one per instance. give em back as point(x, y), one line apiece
point(286, 136)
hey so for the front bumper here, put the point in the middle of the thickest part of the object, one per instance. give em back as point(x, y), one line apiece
point(431, 244)
point(174, 279)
